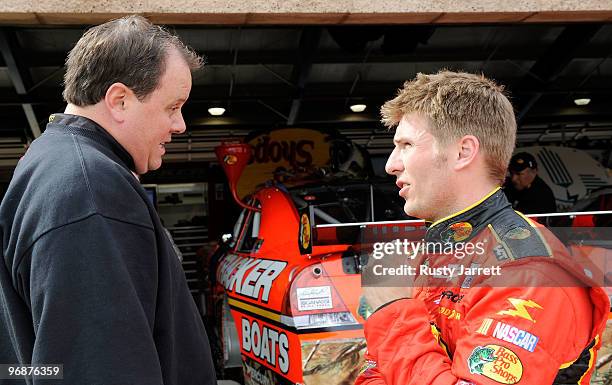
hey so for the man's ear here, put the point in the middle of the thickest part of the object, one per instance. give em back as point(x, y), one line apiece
point(468, 148)
point(117, 99)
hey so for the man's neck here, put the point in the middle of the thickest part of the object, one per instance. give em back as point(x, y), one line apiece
point(89, 112)
point(102, 117)
point(98, 114)
point(467, 198)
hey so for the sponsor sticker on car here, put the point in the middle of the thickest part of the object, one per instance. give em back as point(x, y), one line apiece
point(314, 298)
point(266, 343)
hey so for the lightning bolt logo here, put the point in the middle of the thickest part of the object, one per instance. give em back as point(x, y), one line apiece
point(520, 308)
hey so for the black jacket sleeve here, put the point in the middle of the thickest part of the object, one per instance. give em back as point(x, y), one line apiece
point(91, 286)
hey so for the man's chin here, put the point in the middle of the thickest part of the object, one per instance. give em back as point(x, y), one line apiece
point(410, 210)
point(413, 211)
point(154, 165)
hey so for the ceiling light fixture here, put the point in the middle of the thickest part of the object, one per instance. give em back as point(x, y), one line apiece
point(358, 107)
point(582, 101)
point(216, 111)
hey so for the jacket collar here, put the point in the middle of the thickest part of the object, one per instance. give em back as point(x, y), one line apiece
point(82, 126)
point(464, 224)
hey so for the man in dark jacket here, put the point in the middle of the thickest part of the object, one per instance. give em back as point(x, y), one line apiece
point(527, 192)
point(89, 279)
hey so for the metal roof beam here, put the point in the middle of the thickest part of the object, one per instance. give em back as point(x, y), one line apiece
point(309, 43)
point(287, 57)
point(555, 59)
point(601, 85)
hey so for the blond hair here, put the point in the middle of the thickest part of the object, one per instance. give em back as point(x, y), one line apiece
point(458, 104)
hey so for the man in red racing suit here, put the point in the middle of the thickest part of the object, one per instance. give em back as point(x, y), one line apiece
point(525, 313)
point(535, 323)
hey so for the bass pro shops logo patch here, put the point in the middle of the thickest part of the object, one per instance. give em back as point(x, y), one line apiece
point(461, 231)
point(479, 357)
point(497, 363)
point(457, 232)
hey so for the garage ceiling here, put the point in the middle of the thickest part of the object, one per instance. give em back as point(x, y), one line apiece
point(308, 76)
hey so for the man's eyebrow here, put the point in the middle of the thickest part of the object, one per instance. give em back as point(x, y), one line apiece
point(400, 139)
point(180, 100)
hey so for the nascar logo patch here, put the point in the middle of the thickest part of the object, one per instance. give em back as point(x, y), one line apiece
point(509, 333)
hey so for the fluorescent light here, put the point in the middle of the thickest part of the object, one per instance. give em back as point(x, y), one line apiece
point(582, 101)
point(216, 111)
point(358, 107)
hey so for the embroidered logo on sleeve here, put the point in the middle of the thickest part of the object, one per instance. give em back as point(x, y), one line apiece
point(449, 313)
point(500, 253)
point(520, 307)
point(509, 333)
point(518, 233)
point(497, 363)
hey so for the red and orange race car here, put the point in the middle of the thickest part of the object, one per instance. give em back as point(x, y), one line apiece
point(289, 291)
point(287, 282)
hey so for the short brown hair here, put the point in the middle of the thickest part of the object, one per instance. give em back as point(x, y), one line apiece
point(129, 50)
point(458, 104)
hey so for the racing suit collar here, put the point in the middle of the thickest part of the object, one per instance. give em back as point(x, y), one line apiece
point(462, 224)
point(80, 125)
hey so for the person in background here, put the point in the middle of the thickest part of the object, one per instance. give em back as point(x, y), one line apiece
point(90, 279)
point(527, 192)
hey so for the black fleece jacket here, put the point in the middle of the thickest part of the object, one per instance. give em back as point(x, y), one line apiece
point(89, 278)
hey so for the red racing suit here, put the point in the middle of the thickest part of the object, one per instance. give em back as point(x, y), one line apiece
point(538, 322)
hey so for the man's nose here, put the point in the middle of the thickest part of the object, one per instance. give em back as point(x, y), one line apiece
point(178, 125)
point(394, 164)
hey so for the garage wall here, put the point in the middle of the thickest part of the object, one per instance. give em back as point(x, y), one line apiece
point(238, 12)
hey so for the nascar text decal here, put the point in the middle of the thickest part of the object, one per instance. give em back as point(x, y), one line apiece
point(266, 343)
point(249, 276)
point(509, 333)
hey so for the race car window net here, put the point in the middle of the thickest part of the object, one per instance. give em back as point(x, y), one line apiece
point(238, 226)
